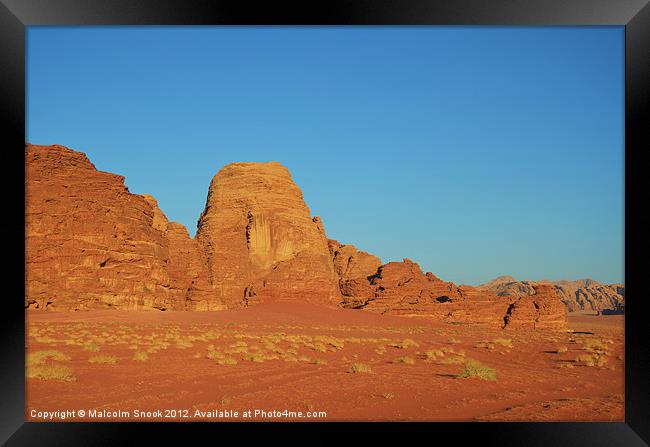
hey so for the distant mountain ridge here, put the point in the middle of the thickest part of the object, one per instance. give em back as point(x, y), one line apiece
point(578, 295)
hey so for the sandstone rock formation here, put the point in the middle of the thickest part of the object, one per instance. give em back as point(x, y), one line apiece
point(402, 288)
point(93, 244)
point(579, 295)
point(541, 310)
point(260, 241)
point(90, 243)
point(354, 269)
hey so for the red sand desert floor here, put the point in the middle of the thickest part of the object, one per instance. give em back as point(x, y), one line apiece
point(352, 365)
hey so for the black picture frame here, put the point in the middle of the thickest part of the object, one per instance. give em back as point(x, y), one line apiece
point(16, 15)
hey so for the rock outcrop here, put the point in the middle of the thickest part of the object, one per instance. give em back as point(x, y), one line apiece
point(541, 310)
point(260, 242)
point(90, 243)
point(402, 288)
point(354, 269)
point(93, 244)
point(579, 295)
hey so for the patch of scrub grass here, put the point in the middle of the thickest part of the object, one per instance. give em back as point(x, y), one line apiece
point(453, 351)
point(432, 354)
point(561, 350)
point(50, 371)
point(591, 360)
point(585, 359)
point(454, 341)
point(215, 355)
point(503, 342)
point(474, 368)
point(288, 358)
point(486, 345)
point(405, 344)
point(257, 357)
point(388, 396)
point(319, 347)
point(46, 339)
point(91, 346)
point(39, 357)
point(405, 359)
point(226, 361)
point(183, 344)
point(110, 359)
point(141, 356)
point(381, 350)
point(360, 368)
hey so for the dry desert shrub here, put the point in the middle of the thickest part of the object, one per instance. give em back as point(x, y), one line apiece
point(41, 365)
point(226, 361)
point(432, 354)
point(39, 357)
point(288, 357)
point(183, 344)
point(319, 347)
point(257, 357)
point(591, 360)
point(474, 368)
point(503, 342)
point(485, 345)
point(561, 350)
point(141, 356)
point(91, 346)
point(406, 359)
point(596, 346)
point(360, 368)
point(405, 344)
point(50, 371)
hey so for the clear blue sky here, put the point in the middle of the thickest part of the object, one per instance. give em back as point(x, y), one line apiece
point(476, 152)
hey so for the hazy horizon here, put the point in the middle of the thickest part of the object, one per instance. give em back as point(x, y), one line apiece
point(475, 151)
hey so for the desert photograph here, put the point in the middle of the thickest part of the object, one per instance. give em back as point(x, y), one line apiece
point(324, 224)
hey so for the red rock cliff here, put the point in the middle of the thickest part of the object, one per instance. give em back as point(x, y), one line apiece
point(93, 244)
point(260, 241)
point(90, 243)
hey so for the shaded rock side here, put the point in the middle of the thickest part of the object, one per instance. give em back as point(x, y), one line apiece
point(542, 310)
point(579, 295)
point(354, 269)
point(90, 243)
point(260, 242)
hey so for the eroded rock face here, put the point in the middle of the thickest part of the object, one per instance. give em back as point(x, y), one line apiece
point(354, 269)
point(542, 310)
point(579, 295)
point(90, 243)
point(402, 288)
point(93, 244)
point(259, 240)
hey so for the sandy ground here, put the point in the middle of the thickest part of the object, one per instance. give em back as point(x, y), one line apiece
point(199, 366)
